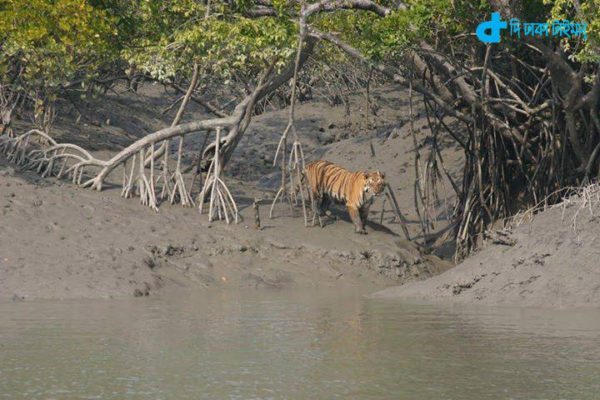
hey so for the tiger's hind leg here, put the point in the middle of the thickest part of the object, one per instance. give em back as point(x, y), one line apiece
point(324, 207)
point(359, 227)
point(313, 204)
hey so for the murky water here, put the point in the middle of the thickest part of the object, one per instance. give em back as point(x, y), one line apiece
point(260, 344)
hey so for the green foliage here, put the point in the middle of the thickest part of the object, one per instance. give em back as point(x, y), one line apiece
point(51, 42)
point(387, 38)
point(61, 39)
point(223, 42)
point(588, 12)
point(48, 43)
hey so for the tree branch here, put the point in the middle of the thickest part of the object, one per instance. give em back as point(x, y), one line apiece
point(390, 73)
point(203, 103)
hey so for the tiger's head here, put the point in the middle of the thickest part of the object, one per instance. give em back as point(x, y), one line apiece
point(374, 182)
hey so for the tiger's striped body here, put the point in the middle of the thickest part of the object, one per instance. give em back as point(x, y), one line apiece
point(356, 190)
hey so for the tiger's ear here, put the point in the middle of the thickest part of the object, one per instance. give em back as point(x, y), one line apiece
point(366, 175)
point(382, 174)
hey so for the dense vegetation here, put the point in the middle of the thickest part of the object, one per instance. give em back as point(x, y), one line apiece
point(527, 109)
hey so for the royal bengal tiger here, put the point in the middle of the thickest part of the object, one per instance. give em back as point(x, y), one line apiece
point(357, 190)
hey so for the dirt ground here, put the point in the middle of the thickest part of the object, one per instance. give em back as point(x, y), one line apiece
point(61, 241)
point(549, 261)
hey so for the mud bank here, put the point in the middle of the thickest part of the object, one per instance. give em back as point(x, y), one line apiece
point(58, 241)
point(551, 261)
point(61, 241)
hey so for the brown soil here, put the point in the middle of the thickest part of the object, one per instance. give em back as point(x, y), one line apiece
point(550, 261)
point(61, 241)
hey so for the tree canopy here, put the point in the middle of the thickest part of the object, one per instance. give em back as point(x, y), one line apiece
point(50, 43)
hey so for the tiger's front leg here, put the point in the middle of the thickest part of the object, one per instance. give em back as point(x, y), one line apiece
point(359, 227)
point(364, 214)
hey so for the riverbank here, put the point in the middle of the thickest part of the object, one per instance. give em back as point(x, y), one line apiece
point(552, 260)
point(61, 241)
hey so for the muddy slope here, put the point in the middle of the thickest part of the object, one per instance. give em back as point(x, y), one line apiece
point(60, 241)
point(551, 261)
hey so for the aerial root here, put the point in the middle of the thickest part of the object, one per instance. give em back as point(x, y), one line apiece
point(179, 189)
point(36, 150)
point(145, 186)
point(283, 193)
point(295, 166)
point(389, 193)
point(297, 185)
point(165, 177)
point(221, 202)
point(128, 181)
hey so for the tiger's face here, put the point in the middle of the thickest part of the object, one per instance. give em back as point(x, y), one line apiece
point(374, 183)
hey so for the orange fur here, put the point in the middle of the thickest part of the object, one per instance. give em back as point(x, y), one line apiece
point(356, 190)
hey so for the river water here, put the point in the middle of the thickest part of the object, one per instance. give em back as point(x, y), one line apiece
point(294, 345)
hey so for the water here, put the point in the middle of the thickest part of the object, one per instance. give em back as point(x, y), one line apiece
point(298, 345)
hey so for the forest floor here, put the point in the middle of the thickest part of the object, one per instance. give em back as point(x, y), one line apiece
point(61, 241)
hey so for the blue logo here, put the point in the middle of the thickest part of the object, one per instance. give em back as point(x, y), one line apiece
point(489, 31)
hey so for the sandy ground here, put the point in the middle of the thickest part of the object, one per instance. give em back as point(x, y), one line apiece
point(550, 261)
point(61, 241)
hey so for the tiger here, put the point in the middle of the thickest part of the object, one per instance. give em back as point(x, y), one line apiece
point(357, 190)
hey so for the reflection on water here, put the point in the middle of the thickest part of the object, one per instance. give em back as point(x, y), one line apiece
point(307, 345)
